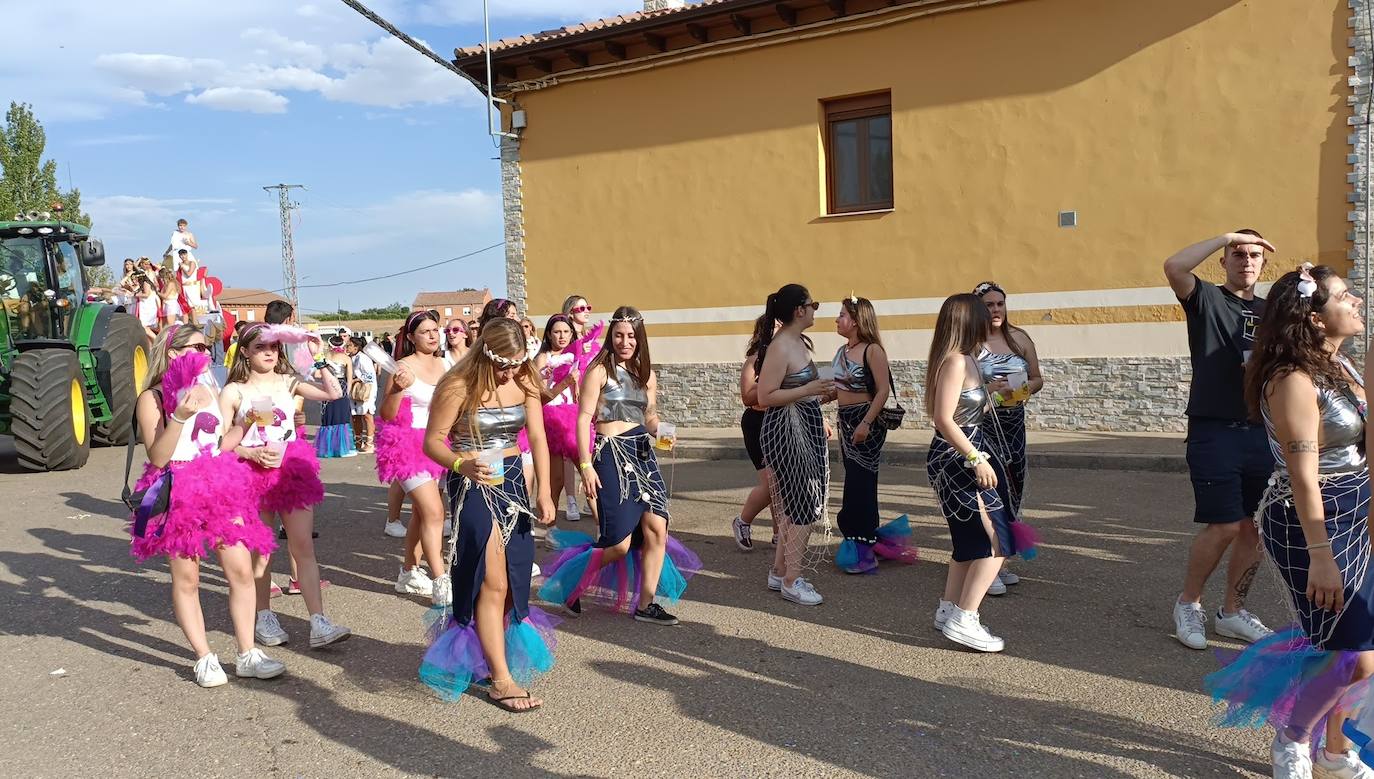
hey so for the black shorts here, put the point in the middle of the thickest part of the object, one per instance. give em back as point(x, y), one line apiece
point(1230, 465)
point(751, 423)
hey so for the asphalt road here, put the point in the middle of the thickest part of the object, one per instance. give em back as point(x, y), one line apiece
point(1092, 684)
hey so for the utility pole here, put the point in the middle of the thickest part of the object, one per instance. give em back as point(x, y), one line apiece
point(288, 250)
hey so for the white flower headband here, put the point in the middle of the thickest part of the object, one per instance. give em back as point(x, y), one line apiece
point(505, 362)
point(633, 320)
point(1306, 284)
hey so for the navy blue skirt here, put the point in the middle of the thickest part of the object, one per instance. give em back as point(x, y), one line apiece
point(1345, 502)
point(619, 510)
point(957, 489)
point(475, 524)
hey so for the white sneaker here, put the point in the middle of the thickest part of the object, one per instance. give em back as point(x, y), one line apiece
point(801, 592)
point(442, 593)
point(774, 582)
point(535, 573)
point(394, 529)
point(448, 528)
point(942, 613)
point(743, 538)
point(414, 582)
point(1242, 625)
point(209, 673)
point(268, 630)
point(1345, 766)
point(965, 628)
point(1290, 759)
point(350, 453)
point(323, 632)
point(573, 514)
point(255, 664)
point(997, 587)
point(1190, 625)
point(1008, 578)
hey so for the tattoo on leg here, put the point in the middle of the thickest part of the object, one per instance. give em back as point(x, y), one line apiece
point(1295, 447)
point(1243, 583)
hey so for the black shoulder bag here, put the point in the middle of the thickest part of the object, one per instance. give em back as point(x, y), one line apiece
point(890, 418)
point(153, 501)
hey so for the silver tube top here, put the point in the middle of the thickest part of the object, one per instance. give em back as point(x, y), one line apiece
point(496, 428)
point(801, 378)
point(623, 399)
point(972, 407)
point(1340, 432)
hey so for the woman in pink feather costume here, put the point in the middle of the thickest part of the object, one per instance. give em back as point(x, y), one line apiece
point(401, 456)
point(210, 507)
point(585, 346)
point(558, 370)
point(260, 398)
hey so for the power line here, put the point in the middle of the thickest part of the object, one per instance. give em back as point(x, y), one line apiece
point(465, 256)
point(411, 42)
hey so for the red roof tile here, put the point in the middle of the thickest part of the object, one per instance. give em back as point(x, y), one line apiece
point(584, 27)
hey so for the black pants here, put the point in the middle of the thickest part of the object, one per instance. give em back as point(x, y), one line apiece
point(858, 516)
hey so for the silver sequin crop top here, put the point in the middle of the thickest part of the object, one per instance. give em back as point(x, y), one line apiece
point(623, 399)
point(801, 378)
point(850, 376)
point(994, 365)
point(496, 428)
point(972, 407)
point(1340, 433)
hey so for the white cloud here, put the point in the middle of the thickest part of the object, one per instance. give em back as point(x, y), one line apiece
point(257, 101)
point(469, 11)
point(293, 52)
point(144, 219)
point(160, 74)
point(391, 74)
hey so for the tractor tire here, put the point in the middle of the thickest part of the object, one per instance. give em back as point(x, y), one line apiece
point(50, 414)
point(127, 345)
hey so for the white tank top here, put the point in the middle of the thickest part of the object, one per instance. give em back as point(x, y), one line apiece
point(199, 435)
point(421, 394)
point(276, 425)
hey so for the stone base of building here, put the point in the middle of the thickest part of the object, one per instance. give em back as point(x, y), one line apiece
point(1118, 394)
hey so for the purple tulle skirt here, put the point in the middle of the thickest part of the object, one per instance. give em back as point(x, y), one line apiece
point(212, 504)
point(295, 485)
point(454, 659)
point(577, 572)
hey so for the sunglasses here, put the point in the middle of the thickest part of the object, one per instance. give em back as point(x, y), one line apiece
point(202, 348)
point(580, 310)
point(457, 331)
point(813, 305)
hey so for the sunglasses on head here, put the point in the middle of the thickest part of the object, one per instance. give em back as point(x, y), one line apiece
point(202, 348)
point(580, 310)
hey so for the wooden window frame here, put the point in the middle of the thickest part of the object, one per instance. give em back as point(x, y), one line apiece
point(868, 106)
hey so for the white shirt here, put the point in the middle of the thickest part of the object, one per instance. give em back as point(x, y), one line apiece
point(177, 243)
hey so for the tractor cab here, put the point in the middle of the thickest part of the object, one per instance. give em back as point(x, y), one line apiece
point(42, 282)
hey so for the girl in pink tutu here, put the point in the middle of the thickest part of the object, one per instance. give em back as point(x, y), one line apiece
point(261, 399)
point(480, 409)
point(585, 346)
point(559, 373)
point(401, 456)
point(209, 508)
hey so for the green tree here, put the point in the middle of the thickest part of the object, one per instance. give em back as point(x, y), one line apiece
point(27, 182)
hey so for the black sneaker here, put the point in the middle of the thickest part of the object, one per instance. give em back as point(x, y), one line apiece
point(573, 608)
point(654, 613)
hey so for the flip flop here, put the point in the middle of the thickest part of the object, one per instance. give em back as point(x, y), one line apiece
point(504, 703)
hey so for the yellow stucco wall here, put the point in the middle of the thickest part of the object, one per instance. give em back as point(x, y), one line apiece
point(699, 184)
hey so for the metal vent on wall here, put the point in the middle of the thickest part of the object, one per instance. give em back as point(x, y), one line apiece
point(1068, 218)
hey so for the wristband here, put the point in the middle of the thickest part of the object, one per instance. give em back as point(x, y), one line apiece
point(584, 465)
point(997, 398)
point(457, 463)
point(975, 458)
point(1322, 545)
point(178, 419)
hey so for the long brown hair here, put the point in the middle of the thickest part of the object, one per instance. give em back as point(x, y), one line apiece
point(1006, 328)
point(474, 377)
point(239, 371)
point(1287, 341)
point(865, 319)
point(404, 347)
point(639, 365)
point(963, 326)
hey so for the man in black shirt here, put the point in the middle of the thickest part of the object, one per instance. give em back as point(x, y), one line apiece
point(1228, 455)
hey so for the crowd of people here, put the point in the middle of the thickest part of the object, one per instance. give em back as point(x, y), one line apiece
point(163, 294)
point(483, 425)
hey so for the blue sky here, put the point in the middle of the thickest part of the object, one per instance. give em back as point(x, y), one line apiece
point(162, 110)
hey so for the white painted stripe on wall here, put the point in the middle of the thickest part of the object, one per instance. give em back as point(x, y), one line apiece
point(1128, 339)
point(1086, 298)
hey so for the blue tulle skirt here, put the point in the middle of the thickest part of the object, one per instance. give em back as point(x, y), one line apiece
point(577, 572)
point(335, 436)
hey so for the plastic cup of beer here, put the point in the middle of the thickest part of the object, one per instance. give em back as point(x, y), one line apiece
point(495, 461)
point(667, 436)
point(279, 447)
point(262, 411)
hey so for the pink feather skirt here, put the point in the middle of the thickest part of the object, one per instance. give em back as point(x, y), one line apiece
point(212, 505)
point(295, 485)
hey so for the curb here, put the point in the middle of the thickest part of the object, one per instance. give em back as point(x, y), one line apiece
point(915, 455)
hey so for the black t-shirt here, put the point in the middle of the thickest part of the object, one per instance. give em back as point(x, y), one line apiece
point(1221, 333)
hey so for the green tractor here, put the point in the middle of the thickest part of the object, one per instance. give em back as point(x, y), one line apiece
point(70, 368)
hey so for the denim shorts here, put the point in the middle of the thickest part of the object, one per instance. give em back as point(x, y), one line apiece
point(1230, 465)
